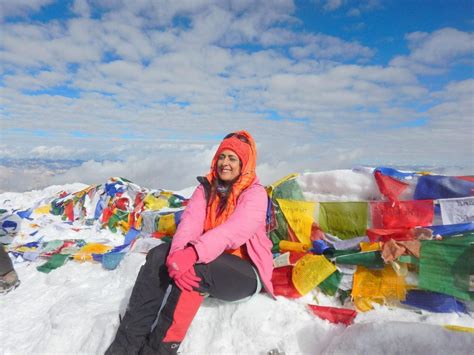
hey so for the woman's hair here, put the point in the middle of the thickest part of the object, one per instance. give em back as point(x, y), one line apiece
point(223, 193)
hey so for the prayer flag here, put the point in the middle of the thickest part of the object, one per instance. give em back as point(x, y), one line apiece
point(432, 187)
point(299, 215)
point(333, 314)
point(343, 219)
point(457, 210)
point(402, 214)
point(310, 271)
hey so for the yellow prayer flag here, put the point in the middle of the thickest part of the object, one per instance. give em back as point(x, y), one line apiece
point(459, 328)
point(310, 271)
point(380, 286)
point(155, 203)
point(299, 215)
point(42, 209)
point(166, 224)
point(286, 245)
point(85, 253)
point(368, 246)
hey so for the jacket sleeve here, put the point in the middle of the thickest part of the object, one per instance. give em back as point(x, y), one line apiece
point(248, 216)
point(191, 225)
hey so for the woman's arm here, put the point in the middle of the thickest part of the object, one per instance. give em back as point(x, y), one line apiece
point(248, 216)
point(191, 225)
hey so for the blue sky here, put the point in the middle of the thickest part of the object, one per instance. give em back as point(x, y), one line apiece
point(145, 89)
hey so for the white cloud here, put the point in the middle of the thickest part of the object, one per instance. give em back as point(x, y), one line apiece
point(81, 8)
point(332, 5)
point(21, 7)
point(321, 46)
point(434, 53)
point(150, 102)
point(357, 7)
point(55, 152)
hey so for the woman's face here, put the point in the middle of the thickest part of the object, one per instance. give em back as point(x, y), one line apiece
point(228, 165)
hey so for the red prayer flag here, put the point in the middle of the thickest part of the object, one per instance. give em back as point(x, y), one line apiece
point(333, 314)
point(384, 235)
point(402, 214)
point(158, 235)
point(316, 232)
point(388, 186)
point(467, 178)
point(122, 203)
point(106, 214)
point(295, 256)
point(282, 284)
point(69, 211)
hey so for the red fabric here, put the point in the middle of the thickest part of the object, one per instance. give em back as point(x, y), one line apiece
point(158, 235)
point(295, 256)
point(69, 211)
point(403, 214)
point(388, 186)
point(240, 148)
point(467, 178)
point(106, 213)
point(186, 308)
point(139, 203)
point(316, 232)
point(181, 261)
point(384, 235)
point(122, 203)
point(334, 315)
point(282, 284)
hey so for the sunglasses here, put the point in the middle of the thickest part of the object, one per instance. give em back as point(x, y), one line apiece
point(238, 136)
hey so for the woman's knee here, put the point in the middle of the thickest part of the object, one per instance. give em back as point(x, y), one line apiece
point(158, 254)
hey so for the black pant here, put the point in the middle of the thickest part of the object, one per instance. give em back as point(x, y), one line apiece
point(228, 277)
point(5, 262)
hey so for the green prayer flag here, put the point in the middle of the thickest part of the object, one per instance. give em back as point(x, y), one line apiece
point(175, 202)
point(344, 219)
point(54, 262)
point(446, 266)
point(369, 259)
point(288, 190)
point(167, 239)
point(331, 284)
point(342, 252)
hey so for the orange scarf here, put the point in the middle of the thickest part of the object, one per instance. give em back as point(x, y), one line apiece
point(246, 178)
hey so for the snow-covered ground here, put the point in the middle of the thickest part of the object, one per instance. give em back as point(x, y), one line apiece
point(75, 309)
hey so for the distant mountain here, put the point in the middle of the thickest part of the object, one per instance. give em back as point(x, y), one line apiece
point(56, 165)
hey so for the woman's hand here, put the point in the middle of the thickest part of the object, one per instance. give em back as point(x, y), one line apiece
point(181, 261)
point(188, 281)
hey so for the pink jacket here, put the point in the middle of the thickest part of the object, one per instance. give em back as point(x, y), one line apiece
point(246, 226)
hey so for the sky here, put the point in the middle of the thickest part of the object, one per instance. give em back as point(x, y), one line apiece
point(146, 89)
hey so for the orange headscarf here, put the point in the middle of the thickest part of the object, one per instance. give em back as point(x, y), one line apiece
point(248, 158)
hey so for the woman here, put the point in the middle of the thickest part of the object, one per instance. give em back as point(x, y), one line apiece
point(220, 248)
point(8, 276)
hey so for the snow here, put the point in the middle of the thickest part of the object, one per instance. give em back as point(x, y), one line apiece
point(75, 308)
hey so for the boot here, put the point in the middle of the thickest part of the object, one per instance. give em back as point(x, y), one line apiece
point(170, 348)
point(9, 282)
